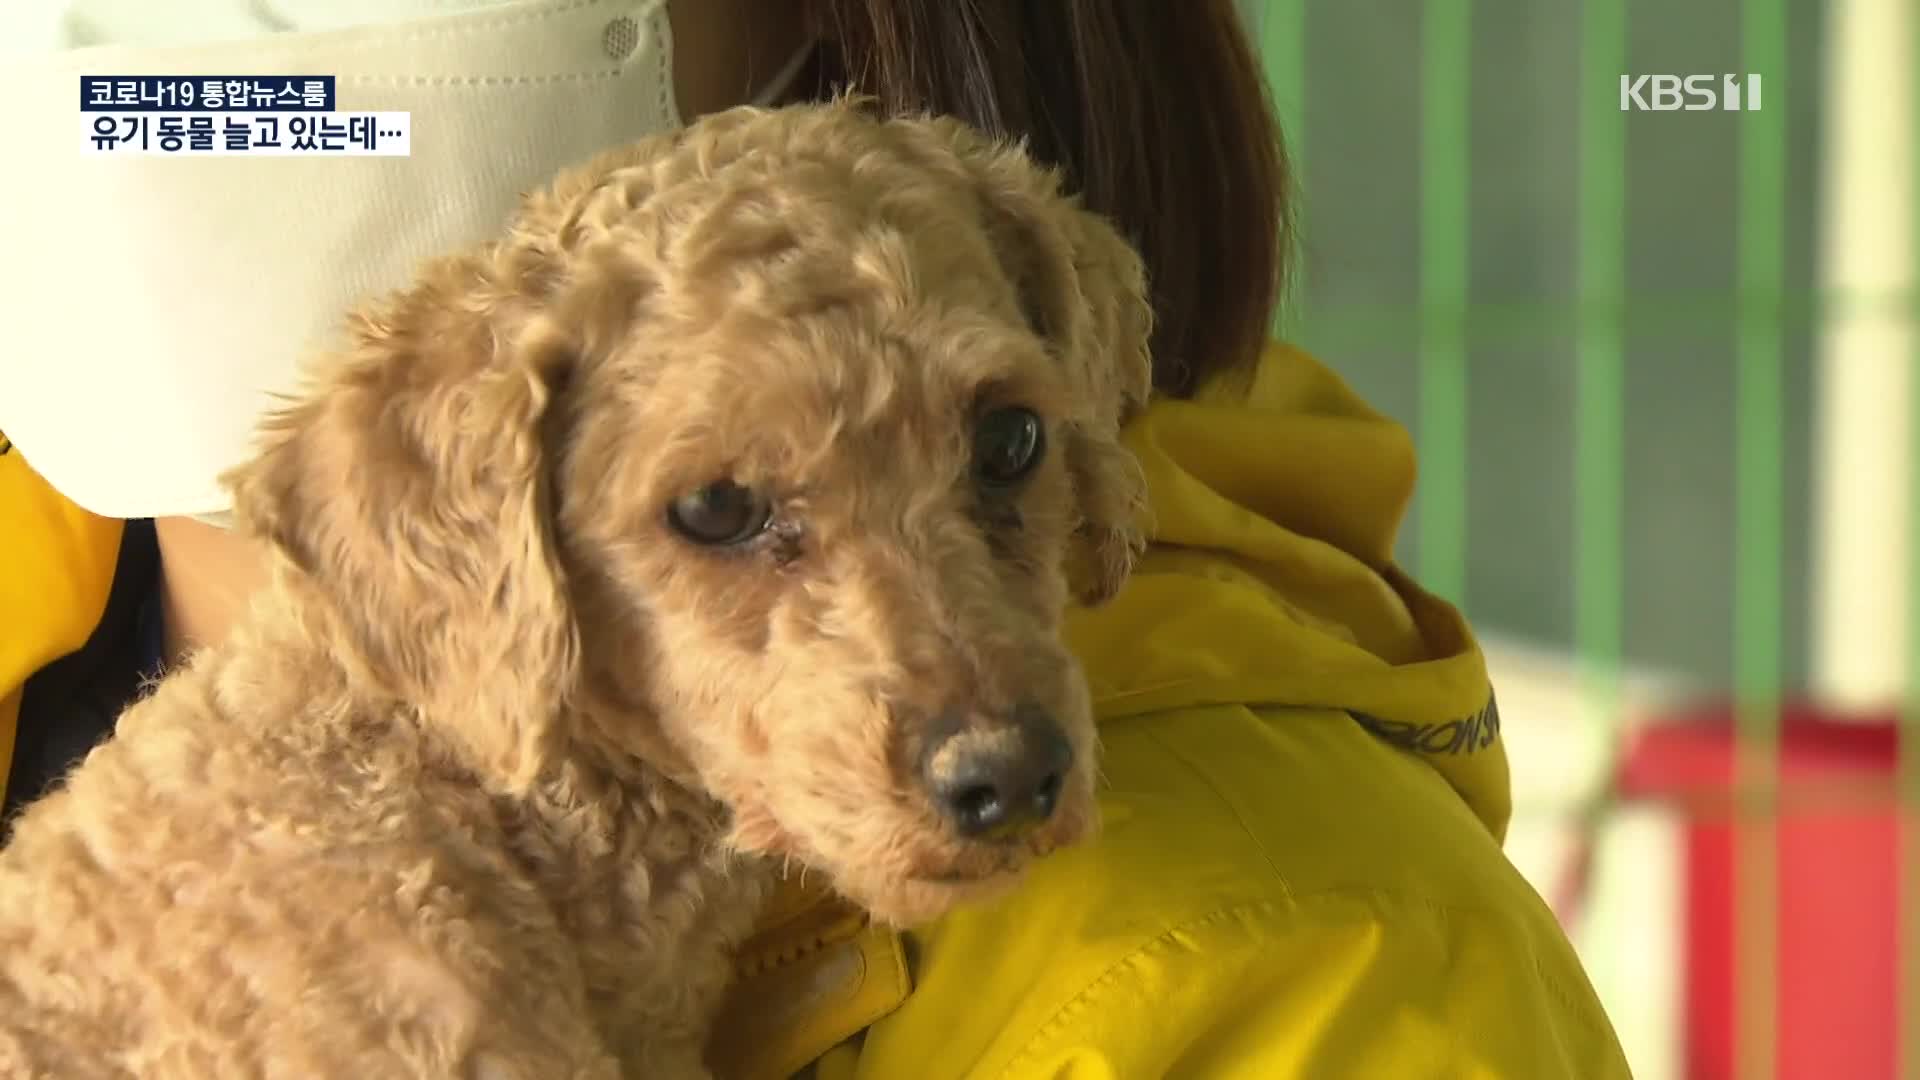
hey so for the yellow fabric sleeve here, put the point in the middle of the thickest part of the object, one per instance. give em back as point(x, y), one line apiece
point(54, 581)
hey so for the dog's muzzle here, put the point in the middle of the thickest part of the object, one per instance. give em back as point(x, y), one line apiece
point(998, 781)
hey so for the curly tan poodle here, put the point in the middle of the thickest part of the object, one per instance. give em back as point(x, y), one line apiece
point(720, 517)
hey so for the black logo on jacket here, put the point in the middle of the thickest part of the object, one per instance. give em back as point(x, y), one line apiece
point(1467, 735)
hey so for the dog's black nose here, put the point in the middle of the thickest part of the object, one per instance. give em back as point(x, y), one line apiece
point(1001, 779)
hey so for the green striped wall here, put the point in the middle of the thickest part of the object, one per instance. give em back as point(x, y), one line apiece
point(1598, 326)
point(1485, 259)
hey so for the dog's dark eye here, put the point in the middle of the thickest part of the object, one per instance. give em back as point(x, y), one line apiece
point(723, 512)
point(1007, 444)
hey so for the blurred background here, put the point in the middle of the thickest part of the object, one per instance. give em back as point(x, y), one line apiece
point(1659, 366)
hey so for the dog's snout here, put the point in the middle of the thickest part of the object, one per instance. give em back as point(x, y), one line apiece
point(999, 780)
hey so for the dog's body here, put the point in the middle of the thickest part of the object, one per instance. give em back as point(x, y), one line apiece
point(706, 523)
point(259, 877)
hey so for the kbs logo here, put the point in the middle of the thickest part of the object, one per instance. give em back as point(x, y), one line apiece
point(1694, 93)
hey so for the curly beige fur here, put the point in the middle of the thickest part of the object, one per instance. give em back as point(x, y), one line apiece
point(502, 766)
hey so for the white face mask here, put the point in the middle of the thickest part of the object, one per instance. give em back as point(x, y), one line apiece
point(157, 305)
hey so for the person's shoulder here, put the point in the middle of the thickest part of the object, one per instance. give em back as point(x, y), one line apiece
point(1310, 800)
point(1273, 809)
point(1268, 886)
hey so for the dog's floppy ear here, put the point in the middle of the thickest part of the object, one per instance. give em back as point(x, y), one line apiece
point(1110, 352)
point(408, 497)
point(1084, 291)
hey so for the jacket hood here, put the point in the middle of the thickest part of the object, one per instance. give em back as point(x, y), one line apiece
point(1269, 581)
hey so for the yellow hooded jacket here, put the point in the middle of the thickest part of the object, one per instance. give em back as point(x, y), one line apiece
point(1300, 873)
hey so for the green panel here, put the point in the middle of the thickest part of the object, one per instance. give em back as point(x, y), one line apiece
point(1759, 606)
point(1445, 226)
point(1282, 34)
point(1599, 427)
point(1522, 329)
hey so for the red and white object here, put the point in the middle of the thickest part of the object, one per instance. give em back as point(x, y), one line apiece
point(1836, 828)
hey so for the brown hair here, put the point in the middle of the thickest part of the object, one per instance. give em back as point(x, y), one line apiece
point(1154, 110)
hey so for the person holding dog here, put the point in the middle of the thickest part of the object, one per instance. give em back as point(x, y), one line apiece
point(1306, 788)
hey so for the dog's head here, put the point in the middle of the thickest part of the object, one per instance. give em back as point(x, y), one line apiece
point(771, 452)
